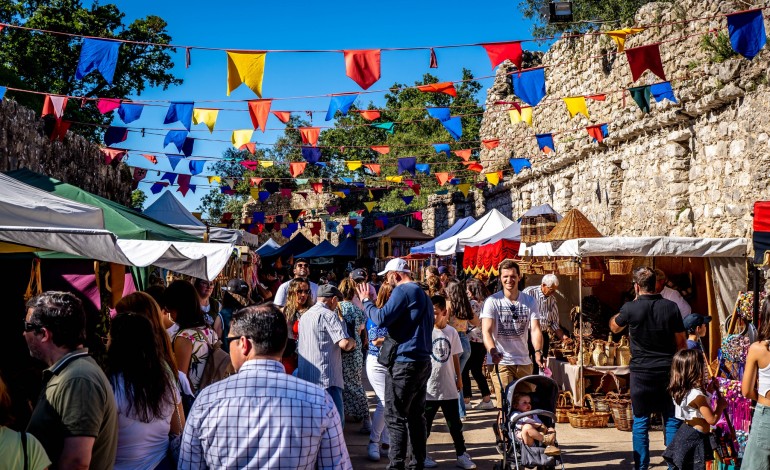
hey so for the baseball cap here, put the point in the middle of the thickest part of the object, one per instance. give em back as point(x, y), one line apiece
point(358, 275)
point(328, 290)
point(442, 270)
point(396, 264)
point(695, 320)
point(238, 290)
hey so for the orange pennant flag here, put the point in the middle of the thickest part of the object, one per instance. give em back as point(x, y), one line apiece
point(259, 110)
point(374, 167)
point(250, 146)
point(490, 144)
point(309, 135)
point(442, 178)
point(297, 168)
point(596, 97)
point(381, 149)
point(254, 181)
point(465, 154)
point(370, 114)
point(282, 116)
point(317, 187)
point(473, 166)
point(443, 87)
point(151, 158)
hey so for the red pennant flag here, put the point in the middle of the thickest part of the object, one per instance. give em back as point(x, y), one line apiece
point(596, 97)
point(645, 58)
point(506, 50)
point(250, 146)
point(260, 227)
point(442, 178)
point(105, 105)
point(54, 105)
point(259, 110)
point(254, 181)
point(417, 215)
point(464, 154)
point(596, 132)
point(282, 116)
point(433, 60)
point(473, 166)
point(380, 224)
point(297, 168)
point(444, 87)
point(286, 193)
point(317, 187)
point(309, 135)
point(184, 184)
point(315, 228)
point(111, 155)
point(363, 66)
point(381, 149)
point(303, 194)
point(353, 222)
point(250, 164)
point(374, 167)
point(151, 158)
point(416, 189)
point(370, 114)
point(360, 212)
point(491, 143)
point(60, 130)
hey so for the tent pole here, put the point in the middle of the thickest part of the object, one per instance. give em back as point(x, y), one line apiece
point(580, 390)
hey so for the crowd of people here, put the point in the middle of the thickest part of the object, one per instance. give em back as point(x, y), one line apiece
point(296, 353)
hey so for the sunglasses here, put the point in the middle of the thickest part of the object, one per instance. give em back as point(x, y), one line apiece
point(36, 327)
point(301, 265)
point(228, 340)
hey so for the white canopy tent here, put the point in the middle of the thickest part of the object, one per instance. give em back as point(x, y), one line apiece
point(486, 227)
point(270, 243)
point(512, 232)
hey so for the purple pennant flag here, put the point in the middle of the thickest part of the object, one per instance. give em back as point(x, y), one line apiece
point(407, 164)
point(98, 54)
point(115, 135)
point(156, 188)
point(181, 111)
point(311, 154)
point(341, 103)
point(332, 209)
point(130, 112)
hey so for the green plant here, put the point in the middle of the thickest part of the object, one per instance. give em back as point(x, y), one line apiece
point(692, 64)
point(718, 46)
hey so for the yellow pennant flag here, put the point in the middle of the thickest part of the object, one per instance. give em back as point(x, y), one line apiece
point(393, 179)
point(266, 163)
point(254, 193)
point(339, 194)
point(218, 179)
point(576, 105)
point(619, 36)
point(241, 137)
point(354, 164)
point(205, 116)
point(524, 116)
point(464, 188)
point(370, 205)
point(493, 178)
point(371, 196)
point(245, 67)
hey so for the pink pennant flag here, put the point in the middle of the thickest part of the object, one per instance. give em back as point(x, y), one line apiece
point(417, 215)
point(286, 193)
point(111, 154)
point(381, 149)
point(105, 105)
point(309, 135)
point(254, 181)
point(282, 116)
point(54, 105)
point(259, 110)
point(250, 164)
point(506, 50)
point(363, 66)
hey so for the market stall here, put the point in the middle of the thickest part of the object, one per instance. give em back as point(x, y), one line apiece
point(484, 256)
point(486, 227)
point(429, 248)
point(393, 242)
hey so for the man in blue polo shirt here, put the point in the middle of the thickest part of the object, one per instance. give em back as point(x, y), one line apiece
point(408, 316)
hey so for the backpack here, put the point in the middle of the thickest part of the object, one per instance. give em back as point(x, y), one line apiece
point(218, 366)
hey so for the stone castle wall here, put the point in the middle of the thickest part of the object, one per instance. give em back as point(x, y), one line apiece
point(688, 169)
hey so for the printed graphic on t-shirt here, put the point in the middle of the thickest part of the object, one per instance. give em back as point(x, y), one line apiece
point(442, 350)
point(514, 320)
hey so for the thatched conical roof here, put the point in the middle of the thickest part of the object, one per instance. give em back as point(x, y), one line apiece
point(573, 225)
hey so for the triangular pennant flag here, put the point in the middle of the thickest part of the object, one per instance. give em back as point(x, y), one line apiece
point(521, 115)
point(181, 111)
point(443, 87)
point(282, 116)
point(170, 177)
point(241, 137)
point(3, 90)
point(98, 54)
point(184, 184)
point(663, 91)
point(105, 105)
point(311, 154)
point(492, 178)
point(363, 66)
point(217, 179)
point(489, 144)
point(597, 132)
point(423, 168)
point(295, 213)
point(576, 105)
point(529, 85)
point(370, 206)
point(173, 161)
point(175, 137)
point(407, 164)
point(354, 165)
point(286, 232)
point(130, 112)
point(388, 127)
point(250, 164)
point(394, 179)
point(442, 148)
point(373, 167)
point(545, 142)
point(187, 146)
point(196, 166)
point(407, 199)
point(251, 147)
point(454, 126)
point(442, 178)
point(115, 135)
point(315, 228)
point(151, 158)
point(747, 32)
point(309, 135)
point(645, 58)
point(111, 155)
point(465, 154)
point(379, 223)
point(507, 50)
point(266, 163)
point(381, 149)
point(259, 110)
point(332, 209)
point(297, 168)
point(641, 95)
point(54, 105)
point(264, 196)
point(205, 116)
point(341, 103)
point(60, 129)
point(456, 181)
point(258, 217)
point(370, 114)
point(254, 181)
point(442, 114)
point(245, 67)
point(417, 215)
point(601, 97)
point(339, 194)
point(620, 35)
point(348, 229)
point(519, 164)
point(317, 187)
point(157, 187)
point(139, 175)
point(464, 188)
point(286, 193)
point(473, 166)
point(415, 188)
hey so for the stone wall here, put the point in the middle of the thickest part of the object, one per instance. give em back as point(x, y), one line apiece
point(23, 144)
point(689, 169)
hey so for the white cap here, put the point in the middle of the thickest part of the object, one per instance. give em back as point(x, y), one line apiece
point(397, 265)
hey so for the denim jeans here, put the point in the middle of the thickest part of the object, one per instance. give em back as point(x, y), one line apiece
point(641, 438)
point(405, 387)
point(336, 394)
point(757, 453)
point(464, 360)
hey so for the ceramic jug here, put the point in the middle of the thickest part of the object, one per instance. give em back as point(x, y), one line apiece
point(599, 356)
point(623, 352)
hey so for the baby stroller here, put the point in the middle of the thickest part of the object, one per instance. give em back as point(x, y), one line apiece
point(543, 392)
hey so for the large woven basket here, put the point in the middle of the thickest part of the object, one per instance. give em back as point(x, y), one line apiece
point(619, 267)
point(550, 266)
point(564, 405)
point(573, 225)
point(525, 267)
point(592, 278)
point(591, 419)
point(621, 414)
point(568, 267)
point(535, 228)
point(537, 268)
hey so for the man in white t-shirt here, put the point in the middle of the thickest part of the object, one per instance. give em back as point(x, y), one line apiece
point(671, 294)
point(301, 269)
point(506, 320)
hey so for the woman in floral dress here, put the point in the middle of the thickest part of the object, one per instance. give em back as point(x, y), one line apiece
point(353, 396)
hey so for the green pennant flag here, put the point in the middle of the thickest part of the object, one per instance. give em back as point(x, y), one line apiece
point(641, 94)
point(387, 126)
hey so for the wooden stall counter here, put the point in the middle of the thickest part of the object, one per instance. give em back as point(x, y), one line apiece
point(566, 375)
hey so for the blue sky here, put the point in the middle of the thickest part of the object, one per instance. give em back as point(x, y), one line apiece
point(307, 25)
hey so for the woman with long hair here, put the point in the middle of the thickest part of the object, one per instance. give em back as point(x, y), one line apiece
point(379, 439)
point(209, 305)
point(298, 300)
point(477, 294)
point(755, 386)
point(149, 405)
point(353, 395)
point(14, 445)
point(193, 342)
point(461, 318)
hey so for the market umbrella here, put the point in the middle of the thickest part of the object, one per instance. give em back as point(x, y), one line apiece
point(573, 225)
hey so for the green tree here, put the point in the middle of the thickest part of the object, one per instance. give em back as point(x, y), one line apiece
point(47, 62)
point(138, 198)
point(587, 14)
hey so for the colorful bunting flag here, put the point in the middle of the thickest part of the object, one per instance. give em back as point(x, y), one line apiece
point(600, 97)
point(433, 59)
point(295, 213)
point(139, 175)
point(529, 85)
point(115, 135)
point(309, 135)
point(266, 163)
point(442, 114)
point(98, 54)
point(417, 215)
point(407, 199)
point(173, 161)
point(282, 116)
point(442, 148)
point(641, 95)
point(341, 103)
point(151, 158)
point(363, 66)
point(519, 164)
point(394, 179)
point(105, 105)
point(620, 35)
point(662, 91)
point(348, 229)
point(315, 228)
point(507, 50)
point(545, 142)
point(250, 164)
point(130, 112)
point(379, 223)
point(297, 168)
point(645, 58)
point(264, 196)
point(373, 167)
point(54, 105)
point(490, 143)
point(597, 132)
point(181, 111)
point(464, 188)
point(3, 90)
point(339, 194)
point(423, 168)
point(217, 179)
point(60, 129)
point(493, 178)
point(286, 193)
point(311, 154)
point(381, 149)
point(245, 67)
point(521, 115)
point(370, 206)
point(576, 105)
point(205, 116)
point(254, 181)
point(442, 178)
point(196, 166)
point(175, 137)
point(388, 127)
point(407, 164)
point(113, 155)
point(473, 166)
point(251, 147)
point(454, 126)
point(170, 177)
point(157, 187)
point(241, 137)
point(354, 165)
point(747, 32)
point(370, 114)
point(443, 87)
point(259, 110)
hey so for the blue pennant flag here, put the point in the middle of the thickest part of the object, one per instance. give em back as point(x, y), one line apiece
point(311, 154)
point(196, 166)
point(519, 164)
point(286, 232)
point(130, 112)
point(344, 191)
point(187, 146)
point(454, 126)
point(341, 103)
point(442, 191)
point(156, 188)
point(442, 148)
point(662, 91)
point(347, 180)
point(175, 137)
point(115, 135)
point(263, 196)
point(174, 161)
point(98, 54)
point(407, 199)
point(359, 184)
point(529, 85)
point(258, 217)
point(292, 226)
point(747, 32)
point(181, 111)
point(2, 92)
point(331, 226)
point(442, 114)
point(348, 229)
point(423, 168)
point(455, 181)
point(170, 177)
point(545, 142)
point(407, 164)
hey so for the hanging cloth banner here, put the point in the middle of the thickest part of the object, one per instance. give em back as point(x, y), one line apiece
point(151, 158)
point(205, 116)
point(98, 54)
point(490, 143)
point(181, 111)
point(370, 114)
point(597, 132)
point(331, 226)
point(282, 116)
point(175, 137)
point(363, 66)
point(311, 154)
point(250, 164)
point(519, 164)
point(663, 91)
point(464, 188)
point(341, 103)
point(641, 95)
point(423, 168)
point(407, 199)
point(187, 146)
point(529, 85)
point(521, 115)
point(111, 155)
point(443, 87)
point(60, 130)
point(259, 110)
point(353, 165)
point(115, 135)
point(507, 50)
point(747, 32)
point(266, 163)
point(493, 178)
point(157, 187)
point(54, 105)
point(130, 112)
point(264, 196)
point(373, 167)
point(442, 148)
point(454, 126)
point(318, 188)
point(196, 166)
point(407, 164)
point(105, 105)
point(388, 127)
point(241, 137)
point(620, 35)
point(576, 105)
point(139, 174)
point(442, 178)
point(433, 59)
point(442, 114)
point(348, 229)
point(464, 154)
point(645, 58)
point(309, 135)
point(251, 147)
point(472, 166)
point(315, 228)
point(272, 187)
point(294, 214)
point(381, 149)
point(370, 206)
point(245, 67)
point(173, 161)
point(184, 184)
point(170, 177)
point(254, 181)
point(394, 179)
point(545, 142)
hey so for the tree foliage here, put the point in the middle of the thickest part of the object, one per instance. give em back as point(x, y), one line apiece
point(138, 198)
point(587, 14)
point(47, 62)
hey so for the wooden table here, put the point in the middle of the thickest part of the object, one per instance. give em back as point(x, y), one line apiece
point(567, 376)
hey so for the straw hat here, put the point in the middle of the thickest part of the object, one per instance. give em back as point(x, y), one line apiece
point(573, 225)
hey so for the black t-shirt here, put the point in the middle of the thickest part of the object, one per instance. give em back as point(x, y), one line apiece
point(653, 323)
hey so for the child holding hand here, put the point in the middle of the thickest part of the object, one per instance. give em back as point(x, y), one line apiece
point(530, 429)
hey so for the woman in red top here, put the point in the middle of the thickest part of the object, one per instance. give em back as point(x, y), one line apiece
point(297, 302)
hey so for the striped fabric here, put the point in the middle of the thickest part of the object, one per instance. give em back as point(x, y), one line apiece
point(320, 358)
point(549, 312)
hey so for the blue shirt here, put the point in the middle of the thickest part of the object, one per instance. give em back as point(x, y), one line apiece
point(408, 316)
point(693, 345)
point(373, 332)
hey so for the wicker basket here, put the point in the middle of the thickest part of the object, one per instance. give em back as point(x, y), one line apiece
point(592, 278)
point(603, 400)
point(568, 267)
point(619, 267)
point(564, 405)
point(537, 268)
point(589, 419)
point(525, 267)
point(550, 266)
point(621, 414)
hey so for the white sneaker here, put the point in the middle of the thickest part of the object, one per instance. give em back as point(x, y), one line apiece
point(464, 461)
point(430, 463)
point(373, 451)
point(484, 405)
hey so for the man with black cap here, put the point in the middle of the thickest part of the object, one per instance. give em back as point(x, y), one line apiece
point(322, 338)
point(695, 324)
point(359, 276)
point(301, 269)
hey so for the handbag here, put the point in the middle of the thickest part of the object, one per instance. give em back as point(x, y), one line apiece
point(388, 352)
